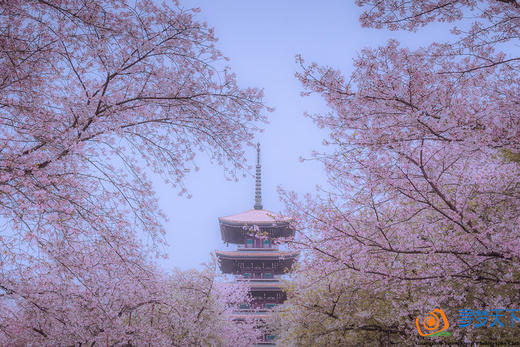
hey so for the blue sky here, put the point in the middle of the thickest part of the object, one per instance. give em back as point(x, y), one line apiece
point(262, 39)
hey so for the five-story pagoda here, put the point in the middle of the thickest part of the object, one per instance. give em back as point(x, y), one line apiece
point(256, 258)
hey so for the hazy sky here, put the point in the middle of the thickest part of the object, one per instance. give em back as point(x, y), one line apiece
point(262, 38)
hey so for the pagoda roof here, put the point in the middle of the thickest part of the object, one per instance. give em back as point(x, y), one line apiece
point(264, 286)
point(255, 217)
point(228, 260)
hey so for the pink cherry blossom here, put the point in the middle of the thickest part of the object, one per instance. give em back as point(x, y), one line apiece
point(92, 96)
point(422, 209)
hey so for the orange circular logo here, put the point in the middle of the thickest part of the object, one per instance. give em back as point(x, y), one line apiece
point(433, 323)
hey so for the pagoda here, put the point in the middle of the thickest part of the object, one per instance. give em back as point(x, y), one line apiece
point(256, 258)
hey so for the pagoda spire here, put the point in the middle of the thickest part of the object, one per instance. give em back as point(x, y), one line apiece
point(258, 187)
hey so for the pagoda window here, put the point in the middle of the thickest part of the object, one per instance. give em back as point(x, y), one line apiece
point(244, 306)
point(247, 274)
point(270, 305)
point(268, 275)
point(266, 243)
point(249, 243)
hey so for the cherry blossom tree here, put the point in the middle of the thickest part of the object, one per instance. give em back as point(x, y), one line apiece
point(93, 95)
point(423, 204)
point(184, 308)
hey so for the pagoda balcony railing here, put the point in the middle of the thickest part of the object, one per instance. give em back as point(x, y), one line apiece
point(256, 268)
point(258, 274)
point(257, 277)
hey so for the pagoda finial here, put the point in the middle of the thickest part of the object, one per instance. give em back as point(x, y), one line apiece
point(258, 187)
